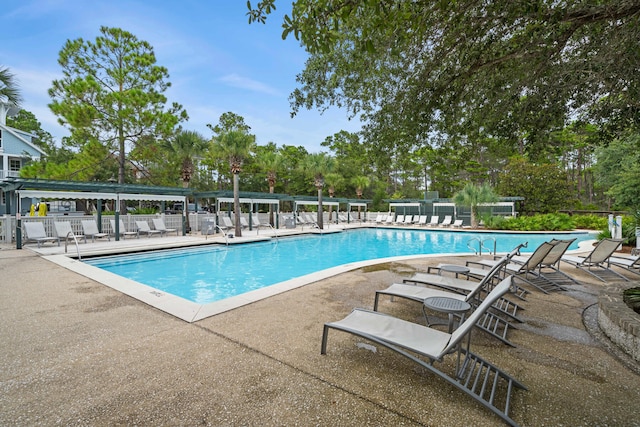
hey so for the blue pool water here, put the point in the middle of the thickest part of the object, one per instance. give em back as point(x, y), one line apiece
point(213, 273)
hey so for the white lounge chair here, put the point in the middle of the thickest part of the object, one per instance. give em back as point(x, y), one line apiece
point(226, 223)
point(35, 231)
point(434, 221)
point(399, 219)
point(90, 229)
point(158, 224)
point(310, 220)
point(408, 220)
point(122, 229)
point(597, 262)
point(422, 220)
point(64, 231)
point(474, 376)
point(457, 223)
point(244, 224)
point(390, 218)
point(143, 228)
point(446, 222)
point(256, 224)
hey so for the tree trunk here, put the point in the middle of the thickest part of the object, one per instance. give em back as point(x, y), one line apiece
point(236, 203)
point(320, 216)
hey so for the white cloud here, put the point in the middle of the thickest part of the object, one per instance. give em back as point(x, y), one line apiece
point(240, 82)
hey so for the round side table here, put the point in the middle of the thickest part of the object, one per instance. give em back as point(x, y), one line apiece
point(446, 305)
point(453, 268)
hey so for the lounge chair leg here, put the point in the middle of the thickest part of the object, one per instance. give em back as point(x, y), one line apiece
point(325, 333)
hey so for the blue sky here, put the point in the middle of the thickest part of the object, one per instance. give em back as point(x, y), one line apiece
point(217, 62)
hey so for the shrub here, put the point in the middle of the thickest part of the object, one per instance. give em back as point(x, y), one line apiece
point(632, 298)
point(546, 222)
point(590, 222)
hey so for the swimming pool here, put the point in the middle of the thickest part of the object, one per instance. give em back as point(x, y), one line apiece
point(204, 275)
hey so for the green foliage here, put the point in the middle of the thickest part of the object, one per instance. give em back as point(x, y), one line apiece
point(181, 152)
point(544, 187)
point(631, 297)
point(618, 169)
point(112, 92)
point(544, 222)
point(589, 222)
point(472, 196)
point(629, 224)
point(9, 91)
point(27, 121)
point(414, 66)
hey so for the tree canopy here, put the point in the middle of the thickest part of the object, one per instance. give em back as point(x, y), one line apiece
point(112, 92)
point(515, 70)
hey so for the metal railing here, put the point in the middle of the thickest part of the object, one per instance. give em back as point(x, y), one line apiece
point(481, 245)
point(66, 240)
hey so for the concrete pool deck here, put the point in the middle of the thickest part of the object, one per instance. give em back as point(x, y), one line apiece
point(75, 352)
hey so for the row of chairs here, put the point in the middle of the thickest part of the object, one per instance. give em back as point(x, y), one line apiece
point(426, 345)
point(494, 312)
point(35, 231)
point(421, 220)
point(227, 224)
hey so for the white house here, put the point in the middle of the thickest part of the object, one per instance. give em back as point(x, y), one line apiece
point(16, 148)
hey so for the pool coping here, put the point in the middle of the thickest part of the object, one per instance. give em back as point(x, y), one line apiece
point(190, 311)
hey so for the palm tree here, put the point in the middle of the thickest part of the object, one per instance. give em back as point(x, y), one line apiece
point(318, 165)
point(360, 182)
point(333, 180)
point(269, 162)
point(236, 145)
point(472, 196)
point(184, 147)
point(9, 92)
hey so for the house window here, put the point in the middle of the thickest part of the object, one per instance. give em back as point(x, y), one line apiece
point(14, 167)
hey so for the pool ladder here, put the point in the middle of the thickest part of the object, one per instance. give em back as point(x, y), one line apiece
point(75, 240)
point(481, 245)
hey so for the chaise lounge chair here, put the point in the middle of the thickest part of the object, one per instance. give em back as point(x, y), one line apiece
point(457, 223)
point(479, 379)
point(628, 263)
point(422, 220)
point(550, 266)
point(446, 222)
point(158, 224)
point(225, 223)
point(122, 229)
point(64, 231)
point(143, 228)
point(464, 290)
point(434, 221)
point(35, 232)
point(528, 271)
point(255, 223)
point(597, 262)
point(545, 280)
point(90, 229)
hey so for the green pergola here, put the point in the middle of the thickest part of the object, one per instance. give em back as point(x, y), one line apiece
point(16, 189)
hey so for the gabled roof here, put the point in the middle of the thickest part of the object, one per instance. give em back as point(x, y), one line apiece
point(19, 135)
